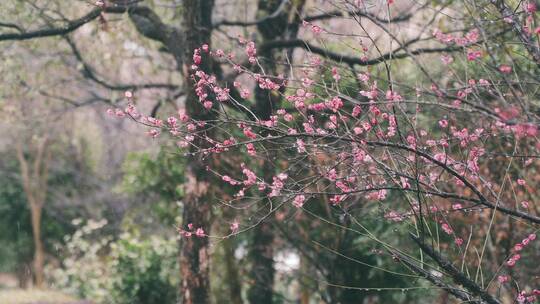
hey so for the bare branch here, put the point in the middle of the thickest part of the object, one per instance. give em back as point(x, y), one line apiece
point(12, 25)
point(352, 60)
point(89, 73)
point(458, 293)
point(69, 27)
point(456, 275)
point(323, 16)
point(359, 13)
point(145, 20)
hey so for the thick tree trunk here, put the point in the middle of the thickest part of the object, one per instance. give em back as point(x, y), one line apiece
point(194, 251)
point(194, 31)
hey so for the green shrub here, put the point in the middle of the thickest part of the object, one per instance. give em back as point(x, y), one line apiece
point(127, 270)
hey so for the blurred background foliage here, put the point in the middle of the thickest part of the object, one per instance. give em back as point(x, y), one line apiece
point(127, 269)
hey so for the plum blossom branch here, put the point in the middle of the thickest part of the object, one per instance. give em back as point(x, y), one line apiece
point(524, 37)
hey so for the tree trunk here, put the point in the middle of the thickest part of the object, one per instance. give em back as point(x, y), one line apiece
point(261, 253)
point(35, 188)
point(262, 270)
point(39, 254)
point(194, 251)
point(233, 279)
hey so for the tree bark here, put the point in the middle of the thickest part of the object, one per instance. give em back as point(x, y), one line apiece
point(194, 251)
point(39, 253)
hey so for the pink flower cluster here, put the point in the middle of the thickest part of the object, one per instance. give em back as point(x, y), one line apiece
point(299, 200)
point(314, 28)
point(199, 232)
point(470, 37)
point(517, 248)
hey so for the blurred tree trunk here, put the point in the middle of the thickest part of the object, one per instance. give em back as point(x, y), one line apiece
point(35, 188)
point(304, 289)
point(261, 255)
point(194, 251)
point(232, 276)
point(284, 24)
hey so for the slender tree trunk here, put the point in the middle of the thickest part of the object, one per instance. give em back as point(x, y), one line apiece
point(194, 251)
point(39, 254)
point(35, 188)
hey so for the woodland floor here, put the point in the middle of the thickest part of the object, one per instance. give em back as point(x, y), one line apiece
point(33, 296)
